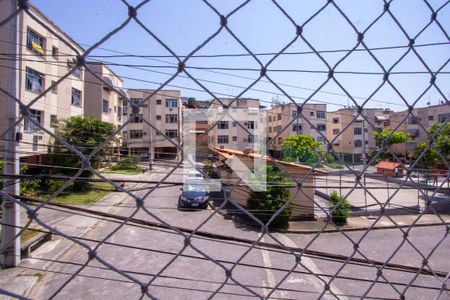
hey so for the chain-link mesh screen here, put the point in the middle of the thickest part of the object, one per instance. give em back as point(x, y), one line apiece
point(146, 247)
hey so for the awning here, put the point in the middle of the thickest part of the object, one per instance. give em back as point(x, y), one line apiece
point(380, 118)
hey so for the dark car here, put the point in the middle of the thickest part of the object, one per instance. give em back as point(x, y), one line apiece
point(193, 195)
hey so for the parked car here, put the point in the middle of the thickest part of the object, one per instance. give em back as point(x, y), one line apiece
point(194, 175)
point(193, 195)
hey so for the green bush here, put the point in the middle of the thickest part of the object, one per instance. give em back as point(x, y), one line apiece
point(127, 163)
point(266, 204)
point(28, 187)
point(342, 208)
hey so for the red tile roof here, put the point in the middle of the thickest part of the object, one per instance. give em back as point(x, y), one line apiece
point(388, 165)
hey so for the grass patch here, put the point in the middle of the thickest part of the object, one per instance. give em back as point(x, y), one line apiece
point(334, 165)
point(135, 171)
point(95, 192)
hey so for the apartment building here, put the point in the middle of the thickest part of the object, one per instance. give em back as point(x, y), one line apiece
point(426, 116)
point(45, 58)
point(351, 142)
point(102, 102)
point(163, 110)
point(280, 116)
point(238, 133)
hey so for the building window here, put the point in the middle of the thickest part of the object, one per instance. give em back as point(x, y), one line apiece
point(357, 131)
point(55, 88)
point(35, 42)
point(270, 118)
point(297, 128)
point(55, 52)
point(321, 127)
point(158, 101)
point(70, 65)
point(171, 133)
point(320, 114)
point(251, 125)
point(294, 114)
point(358, 143)
point(336, 130)
point(222, 139)
point(277, 129)
point(280, 141)
point(119, 113)
point(171, 102)
point(53, 120)
point(36, 116)
point(430, 118)
point(311, 114)
point(234, 138)
point(136, 101)
point(321, 139)
point(76, 97)
point(34, 81)
point(279, 116)
point(35, 143)
point(136, 134)
point(335, 120)
point(158, 117)
point(270, 129)
point(251, 138)
point(234, 123)
point(136, 119)
point(412, 120)
point(172, 118)
point(443, 118)
point(222, 125)
point(105, 106)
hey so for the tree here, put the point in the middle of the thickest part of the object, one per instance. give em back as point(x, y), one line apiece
point(341, 208)
point(267, 203)
point(191, 102)
point(301, 148)
point(85, 134)
point(431, 158)
point(397, 137)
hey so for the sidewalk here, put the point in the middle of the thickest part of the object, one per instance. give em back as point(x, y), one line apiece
point(363, 223)
point(21, 280)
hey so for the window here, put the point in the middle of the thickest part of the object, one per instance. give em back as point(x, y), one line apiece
point(119, 113)
point(297, 128)
point(171, 102)
point(277, 129)
point(34, 81)
point(251, 125)
point(311, 114)
point(430, 118)
point(35, 42)
point(251, 138)
point(136, 101)
point(136, 134)
point(172, 133)
point(443, 118)
point(321, 139)
point(280, 140)
point(358, 143)
point(53, 120)
point(172, 118)
point(158, 117)
point(279, 116)
point(234, 138)
point(294, 114)
point(320, 114)
point(136, 119)
point(36, 116)
point(222, 139)
point(234, 123)
point(335, 120)
point(321, 127)
point(55, 52)
point(412, 120)
point(357, 131)
point(336, 130)
point(71, 64)
point(270, 129)
point(76, 97)
point(270, 118)
point(55, 88)
point(222, 125)
point(105, 106)
point(158, 101)
point(35, 142)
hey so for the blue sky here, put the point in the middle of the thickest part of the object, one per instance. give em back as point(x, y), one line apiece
point(261, 26)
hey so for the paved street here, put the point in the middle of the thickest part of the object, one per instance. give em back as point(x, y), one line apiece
point(145, 252)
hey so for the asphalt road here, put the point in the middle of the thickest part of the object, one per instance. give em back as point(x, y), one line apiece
point(196, 270)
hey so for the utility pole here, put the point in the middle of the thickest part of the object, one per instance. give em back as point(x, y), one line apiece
point(10, 246)
point(364, 161)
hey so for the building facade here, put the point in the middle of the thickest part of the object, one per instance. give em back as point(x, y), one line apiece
point(163, 110)
point(352, 137)
point(284, 116)
point(236, 131)
point(45, 58)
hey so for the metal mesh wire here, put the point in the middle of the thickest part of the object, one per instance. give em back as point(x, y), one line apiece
point(301, 256)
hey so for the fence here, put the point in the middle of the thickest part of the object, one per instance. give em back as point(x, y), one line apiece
point(229, 274)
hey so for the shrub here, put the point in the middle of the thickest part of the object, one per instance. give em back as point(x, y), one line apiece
point(127, 163)
point(267, 203)
point(28, 187)
point(341, 208)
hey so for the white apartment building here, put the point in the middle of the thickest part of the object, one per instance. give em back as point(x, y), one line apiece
point(163, 111)
point(233, 134)
point(44, 59)
point(280, 116)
